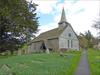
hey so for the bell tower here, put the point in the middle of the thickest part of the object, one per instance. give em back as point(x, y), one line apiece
point(63, 22)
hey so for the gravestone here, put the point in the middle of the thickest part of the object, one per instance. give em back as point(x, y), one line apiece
point(19, 52)
point(5, 70)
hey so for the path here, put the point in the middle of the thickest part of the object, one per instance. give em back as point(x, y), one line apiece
point(83, 66)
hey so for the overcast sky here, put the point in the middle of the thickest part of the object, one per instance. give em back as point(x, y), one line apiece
point(80, 13)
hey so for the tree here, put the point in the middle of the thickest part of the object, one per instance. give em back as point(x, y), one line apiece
point(17, 22)
point(83, 41)
point(96, 25)
point(86, 40)
point(89, 37)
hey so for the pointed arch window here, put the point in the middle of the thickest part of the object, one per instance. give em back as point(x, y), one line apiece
point(71, 43)
point(68, 43)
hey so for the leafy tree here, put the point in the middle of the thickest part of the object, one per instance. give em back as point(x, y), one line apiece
point(17, 22)
point(83, 41)
point(96, 25)
point(89, 37)
point(86, 40)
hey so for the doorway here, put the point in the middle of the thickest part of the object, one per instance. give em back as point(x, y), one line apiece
point(43, 47)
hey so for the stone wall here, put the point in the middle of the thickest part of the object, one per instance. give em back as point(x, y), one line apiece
point(53, 44)
point(35, 47)
point(69, 35)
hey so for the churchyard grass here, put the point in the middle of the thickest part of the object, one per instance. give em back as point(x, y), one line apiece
point(5, 56)
point(42, 64)
point(94, 61)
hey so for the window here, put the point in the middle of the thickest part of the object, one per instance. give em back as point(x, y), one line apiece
point(71, 43)
point(68, 43)
point(69, 34)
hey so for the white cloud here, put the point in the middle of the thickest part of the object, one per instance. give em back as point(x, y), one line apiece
point(83, 21)
point(45, 6)
point(44, 28)
point(80, 14)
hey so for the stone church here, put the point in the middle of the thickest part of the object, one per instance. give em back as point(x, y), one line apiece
point(63, 37)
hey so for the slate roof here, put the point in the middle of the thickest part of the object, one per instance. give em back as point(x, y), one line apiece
point(51, 34)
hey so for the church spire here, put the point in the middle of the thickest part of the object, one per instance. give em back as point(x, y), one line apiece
point(63, 23)
point(63, 16)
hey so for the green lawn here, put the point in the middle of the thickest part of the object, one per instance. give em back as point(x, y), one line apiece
point(42, 64)
point(94, 61)
point(5, 56)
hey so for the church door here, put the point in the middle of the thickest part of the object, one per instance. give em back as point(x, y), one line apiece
point(43, 47)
